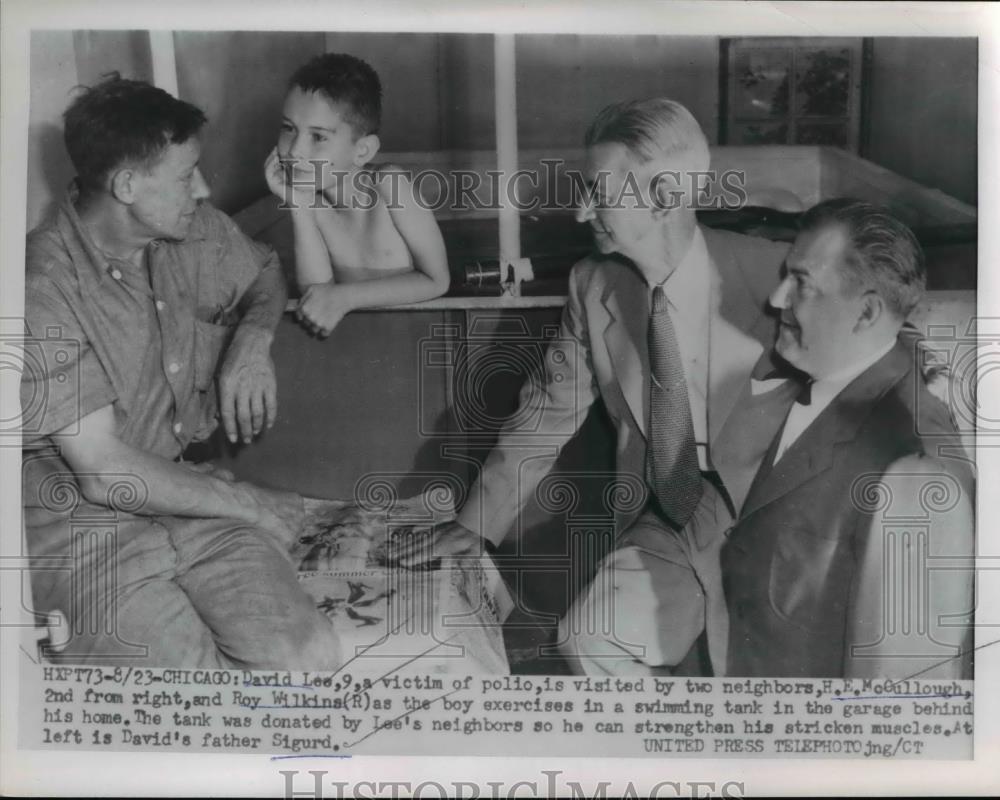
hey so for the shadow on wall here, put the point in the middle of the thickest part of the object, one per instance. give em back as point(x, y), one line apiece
point(46, 149)
point(238, 79)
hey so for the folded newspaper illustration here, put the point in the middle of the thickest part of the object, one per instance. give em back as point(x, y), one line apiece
point(388, 618)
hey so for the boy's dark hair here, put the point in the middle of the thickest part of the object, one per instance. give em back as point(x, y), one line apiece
point(121, 121)
point(348, 82)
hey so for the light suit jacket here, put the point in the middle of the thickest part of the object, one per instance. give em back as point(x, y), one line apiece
point(601, 350)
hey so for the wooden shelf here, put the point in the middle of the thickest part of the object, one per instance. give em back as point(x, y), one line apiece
point(468, 304)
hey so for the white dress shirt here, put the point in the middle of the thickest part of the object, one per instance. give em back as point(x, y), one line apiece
point(688, 293)
point(824, 390)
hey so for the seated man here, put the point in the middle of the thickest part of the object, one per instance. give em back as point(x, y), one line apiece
point(135, 291)
point(664, 324)
point(819, 579)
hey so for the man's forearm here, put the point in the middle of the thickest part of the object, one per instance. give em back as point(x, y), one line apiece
point(169, 488)
point(264, 302)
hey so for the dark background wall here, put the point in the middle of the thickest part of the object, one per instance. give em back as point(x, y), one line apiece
point(439, 95)
point(238, 79)
point(922, 112)
point(564, 80)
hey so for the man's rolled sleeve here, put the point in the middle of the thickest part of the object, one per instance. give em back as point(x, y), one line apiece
point(62, 379)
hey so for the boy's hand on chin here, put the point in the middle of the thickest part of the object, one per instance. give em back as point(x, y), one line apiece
point(293, 195)
point(322, 308)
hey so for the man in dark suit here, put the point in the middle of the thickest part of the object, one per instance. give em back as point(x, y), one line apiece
point(830, 570)
point(664, 324)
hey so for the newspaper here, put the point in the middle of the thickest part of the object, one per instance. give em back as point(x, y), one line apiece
point(386, 617)
point(434, 699)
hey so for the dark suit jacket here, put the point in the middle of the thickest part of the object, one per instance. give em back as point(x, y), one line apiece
point(600, 350)
point(804, 568)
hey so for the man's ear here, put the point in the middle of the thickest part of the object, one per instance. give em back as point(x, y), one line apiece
point(872, 310)
point(666, 193)
point(366, 148)
point(122, 185)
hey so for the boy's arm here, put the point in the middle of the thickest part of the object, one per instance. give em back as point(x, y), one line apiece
point(312, 262)
point(422, 236)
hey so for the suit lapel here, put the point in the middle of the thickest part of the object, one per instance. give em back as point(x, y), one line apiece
point(733, 346)
point(733, 350)
point(627, 304)
point(813, 452)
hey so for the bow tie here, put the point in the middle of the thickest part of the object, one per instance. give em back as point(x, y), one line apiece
point(789, 373)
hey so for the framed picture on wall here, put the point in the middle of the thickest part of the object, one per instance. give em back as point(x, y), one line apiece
point(792, 91)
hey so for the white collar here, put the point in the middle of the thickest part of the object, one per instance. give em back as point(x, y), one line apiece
point(687, 288)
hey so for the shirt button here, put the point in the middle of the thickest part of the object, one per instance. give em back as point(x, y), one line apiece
point(178, 427)
point(173, 368)
point(160, 305)
point(116, 274)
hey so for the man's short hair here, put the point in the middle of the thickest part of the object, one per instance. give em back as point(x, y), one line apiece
point(123, 122)
point(349, 83)
point(883, 255)
point(650, 130)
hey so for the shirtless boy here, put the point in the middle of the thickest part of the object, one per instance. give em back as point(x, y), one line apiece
point(361, 238)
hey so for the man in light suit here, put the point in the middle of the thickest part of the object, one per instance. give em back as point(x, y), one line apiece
point(831, 569)
point(646, 608)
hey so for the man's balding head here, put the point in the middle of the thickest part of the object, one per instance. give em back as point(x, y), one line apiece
point(121, 122)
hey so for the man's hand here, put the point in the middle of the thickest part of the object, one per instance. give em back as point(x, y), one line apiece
point(279, 514)
point(247, 389)
point(448, 540)
point(322, 308)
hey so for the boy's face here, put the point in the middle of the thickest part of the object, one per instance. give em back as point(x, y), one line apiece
point(316, 144)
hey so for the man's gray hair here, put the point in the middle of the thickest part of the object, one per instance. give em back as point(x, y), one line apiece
point(651, 129)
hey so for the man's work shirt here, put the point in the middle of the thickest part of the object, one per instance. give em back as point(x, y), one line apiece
point(146, 340)
point(689, 292)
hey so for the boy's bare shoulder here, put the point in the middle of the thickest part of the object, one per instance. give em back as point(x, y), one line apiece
point(394, 184)
point(386, 169)
point(384, 175)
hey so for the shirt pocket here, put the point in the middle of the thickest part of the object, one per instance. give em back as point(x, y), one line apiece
point(210, 342)
point(802, 568)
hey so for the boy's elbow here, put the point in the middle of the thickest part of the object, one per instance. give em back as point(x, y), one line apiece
point(437, 275)
point(303, 282)
point(441, 284)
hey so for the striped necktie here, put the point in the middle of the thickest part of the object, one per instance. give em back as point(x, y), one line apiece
point(671, 457)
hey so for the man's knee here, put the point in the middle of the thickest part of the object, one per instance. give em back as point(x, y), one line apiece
point(311, 644)
point(640, 605)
